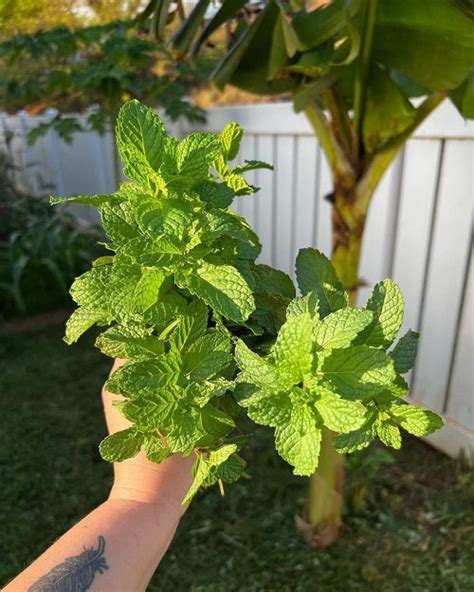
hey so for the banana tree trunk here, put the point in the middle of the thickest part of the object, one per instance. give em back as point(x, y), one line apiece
point(323, 513)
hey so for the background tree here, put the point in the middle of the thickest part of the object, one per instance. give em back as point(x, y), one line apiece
point(352, 66)
point(94, 68)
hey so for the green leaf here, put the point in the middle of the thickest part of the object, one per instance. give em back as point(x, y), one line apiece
point(315, 272)
point(82, 319)
point(340, 415)
point(306, 304)
point(155, 450)
point(119, 222)
point(158, 217)
point(92, 288)
point(404, 352)
point(388, 433)
point(256, 370)
point(140, 137)
point(147, 375)
point(207, 356)
point(299, 441)
point(222, 287)
point(387, 117)
point(252, 165)
point(357, 439)
point(192, 324)
point(340, 328)
point(121, 445)
point(129, 341)
point(231, 137)
point(292, 351)
point(272, 280)
point(415, 420)
point(356, 372)
point(386, 302)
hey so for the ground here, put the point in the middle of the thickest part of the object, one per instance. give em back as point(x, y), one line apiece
point(409, 524)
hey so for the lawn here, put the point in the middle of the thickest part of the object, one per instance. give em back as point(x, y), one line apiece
point(413, 530)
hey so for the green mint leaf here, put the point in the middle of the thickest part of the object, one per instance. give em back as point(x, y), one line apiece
point(404, 352)
point(389, 433)
point(83, 318)
point(386, 302)
point(293, 348)
point(158, 217)
point(299, 441)
point(119, 222)
point(306, 304)
point(357, 439)
point(265, 407)
point(270, 311)
point(230, 138)
point(155, 450)
point(315, 272)
point(252, 165)
point(162, 252)
point(222, 287)
point(121, 445)
point(356, 372)
point(87, 200)
point(140, 135)
point(216, 195)
point(135, 377)
point(92, 288)
point(273, 281)
point(207, 356)
point(133, 289)
point(415, 420)
point(340, 328)
point(340, 415)
point(256, 370)
point(129, 341)
point(203, 467)
point(192, 324)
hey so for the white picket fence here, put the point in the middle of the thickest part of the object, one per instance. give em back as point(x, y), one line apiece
point(419, 230)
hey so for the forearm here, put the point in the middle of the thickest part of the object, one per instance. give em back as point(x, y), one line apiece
point(127, 539)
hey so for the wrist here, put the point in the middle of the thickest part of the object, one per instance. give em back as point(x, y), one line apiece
point(162, 486)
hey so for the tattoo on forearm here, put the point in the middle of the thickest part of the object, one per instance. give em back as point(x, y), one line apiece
point(74, 574)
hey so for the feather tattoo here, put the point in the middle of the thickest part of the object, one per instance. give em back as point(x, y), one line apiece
point(74, 574)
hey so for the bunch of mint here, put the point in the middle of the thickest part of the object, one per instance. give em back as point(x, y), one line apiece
point(209, 334)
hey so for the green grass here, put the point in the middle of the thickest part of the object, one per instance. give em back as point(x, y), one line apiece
point(415, 532)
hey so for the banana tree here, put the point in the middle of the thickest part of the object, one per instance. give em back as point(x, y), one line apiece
point(353, 67)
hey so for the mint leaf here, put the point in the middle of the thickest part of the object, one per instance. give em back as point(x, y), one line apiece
point(252, 165)
point(340, 328)
point(83, 318)
point(191, 325)
point(388, 433)
point(306, 304)
point(404, 352)
point(220, 286)
point(140, 137)
point(293, 348)
point(415, 420)
point(256, 370)
point(340, 415)
point(155, 450)
point(315, 272)
point(357, 439)
point(230, 138)
point(299, 441)
point(273, 281)
point(356, 372)
point(386, 302)
point(121, 445)
point(207, 356)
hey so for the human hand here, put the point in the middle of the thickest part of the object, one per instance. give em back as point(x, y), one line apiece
point(139, 479)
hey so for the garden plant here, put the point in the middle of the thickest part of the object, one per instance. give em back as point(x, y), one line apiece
point(211, 336)
point(352, 66)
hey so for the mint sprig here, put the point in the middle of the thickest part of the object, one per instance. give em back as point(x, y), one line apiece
point(209, 334)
